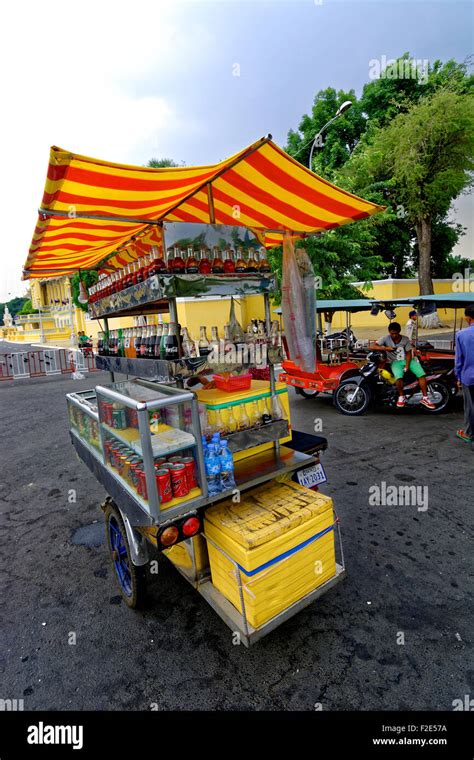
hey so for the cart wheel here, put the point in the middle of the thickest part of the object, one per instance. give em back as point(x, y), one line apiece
point(131, 578)
point(307, 393)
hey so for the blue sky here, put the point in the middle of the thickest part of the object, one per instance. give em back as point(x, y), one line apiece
point(127, 81)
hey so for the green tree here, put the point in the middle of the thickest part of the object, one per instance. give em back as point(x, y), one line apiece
point(162, 163)
point(27, 308)
point(15, 305)
point(426, 155)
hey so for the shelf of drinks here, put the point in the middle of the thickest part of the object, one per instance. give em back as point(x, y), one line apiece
point(96, 450)
point(153, 295)
point(164, 368)
point(131, 437)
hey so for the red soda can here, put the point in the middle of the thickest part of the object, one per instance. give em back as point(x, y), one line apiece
point(175, 460)
point(132, 417)
point(179, 481)
point(142, 489)
point(160, 462)
point(109, 413)
point(163, 483)
point(190, 466)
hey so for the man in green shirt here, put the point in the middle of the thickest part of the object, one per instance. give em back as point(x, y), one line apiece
point(400, 354)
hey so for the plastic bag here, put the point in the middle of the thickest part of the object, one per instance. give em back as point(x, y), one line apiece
point(299, 306)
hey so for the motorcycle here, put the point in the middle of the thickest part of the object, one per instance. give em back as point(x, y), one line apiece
point(374, 382)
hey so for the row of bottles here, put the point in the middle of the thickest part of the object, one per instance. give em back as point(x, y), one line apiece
point(167, 341)
point(239, 417)
point(180, 261)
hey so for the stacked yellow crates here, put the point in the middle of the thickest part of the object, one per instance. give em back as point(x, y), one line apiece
point(280, 541)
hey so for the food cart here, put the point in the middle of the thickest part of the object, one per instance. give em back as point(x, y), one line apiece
point(262, 543)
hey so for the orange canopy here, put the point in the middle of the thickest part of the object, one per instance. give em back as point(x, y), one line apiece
point(96, 214)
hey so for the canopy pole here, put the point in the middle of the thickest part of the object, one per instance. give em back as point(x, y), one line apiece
point(454, 328)
point(273, 393)
point(210, 203)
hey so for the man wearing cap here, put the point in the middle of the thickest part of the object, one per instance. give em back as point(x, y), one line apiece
point(464, 371)
point(410, 325)
point(400, 353)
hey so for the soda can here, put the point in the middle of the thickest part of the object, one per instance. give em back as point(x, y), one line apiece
point(132, 417)
point(160, 461)
point(119, 419)
point(179, 481)
point(166, 465)
point(190, 466)
point(108, 410)
point(175, 460)
point(142, 489)
point(163, 483)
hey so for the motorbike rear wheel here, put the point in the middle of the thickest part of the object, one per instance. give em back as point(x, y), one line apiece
point(352, 399)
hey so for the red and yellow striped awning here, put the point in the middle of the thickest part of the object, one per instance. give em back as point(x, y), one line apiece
point(96, 214)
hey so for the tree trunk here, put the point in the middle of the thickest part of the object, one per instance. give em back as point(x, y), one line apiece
point(423, 234)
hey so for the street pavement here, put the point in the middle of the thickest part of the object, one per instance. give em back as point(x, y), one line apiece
point(394, 635)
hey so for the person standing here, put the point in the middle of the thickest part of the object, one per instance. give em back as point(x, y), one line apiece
point(410, 325)
point(464, 371)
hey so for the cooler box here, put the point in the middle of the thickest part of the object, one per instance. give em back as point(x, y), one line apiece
point(281, 535)
point(259, 389)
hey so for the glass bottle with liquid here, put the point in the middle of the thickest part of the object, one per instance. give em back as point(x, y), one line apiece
point(252, 263)
point(179, 266)
point(217, 261)
point(192, 264)
point(232, 423)
point(263, 263)
point(189, 348)
point(203, 344)
point(278, 413)
point(164, 335)
point(229, 263)
point(219, 424)
point(243, 420)
point(205, 266)
point(240, 264)
point(171, 343)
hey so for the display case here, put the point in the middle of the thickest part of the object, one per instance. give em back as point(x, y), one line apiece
point(151, 442)
point(84, 420)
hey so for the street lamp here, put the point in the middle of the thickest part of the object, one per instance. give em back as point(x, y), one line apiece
point(342, 109)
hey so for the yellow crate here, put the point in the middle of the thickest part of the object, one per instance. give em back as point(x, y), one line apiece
point(276, 521)
point(259, 390)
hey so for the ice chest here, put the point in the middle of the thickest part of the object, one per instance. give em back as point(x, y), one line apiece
point(281, 536)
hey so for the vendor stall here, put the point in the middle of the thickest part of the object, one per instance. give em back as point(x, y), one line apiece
point(196, 451)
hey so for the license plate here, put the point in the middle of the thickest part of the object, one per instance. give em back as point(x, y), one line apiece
point(312, 476)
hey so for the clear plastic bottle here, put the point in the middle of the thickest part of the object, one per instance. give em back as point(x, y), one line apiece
point(212, 464)
point(227, 467)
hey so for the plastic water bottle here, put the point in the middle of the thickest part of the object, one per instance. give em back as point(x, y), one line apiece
point(227, 467)
point(213, 470)
point(216, 441)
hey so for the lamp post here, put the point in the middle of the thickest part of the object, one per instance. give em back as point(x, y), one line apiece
point(342, 109)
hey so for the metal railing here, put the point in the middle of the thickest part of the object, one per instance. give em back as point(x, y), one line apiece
point(44, 362)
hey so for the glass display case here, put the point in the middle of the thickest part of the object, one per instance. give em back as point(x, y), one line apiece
point(84, 420)
point(151, 442)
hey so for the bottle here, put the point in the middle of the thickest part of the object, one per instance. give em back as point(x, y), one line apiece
point(212, 464)
point(267, 411)
point(263, 263)
point(204, 263)
point(140, 270)
point(252, 263)
point(243, 421)
point(171, 344)
point(137, 341)
point(164, 335)
point(143, 343)
point(179, 267)
point(151, 342)
point(219, 424)
point(170, 260)
point(158, 335)
point(275, 334)
point(192, 264)
point(100, 344)
point(229, 348)
point(229, 264)
point(214, 343)
point(227, 467)
point(232, 423)
point(189, 349)
point(278, 413)
point(217, 262)
point(255, 416)
point(240, 264)
point(203, 344)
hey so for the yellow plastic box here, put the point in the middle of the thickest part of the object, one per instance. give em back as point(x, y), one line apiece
point(281, 536)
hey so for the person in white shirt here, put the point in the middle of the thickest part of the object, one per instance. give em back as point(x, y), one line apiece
point(410, 325)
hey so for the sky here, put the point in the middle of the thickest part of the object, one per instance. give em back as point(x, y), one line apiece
point(195, 81)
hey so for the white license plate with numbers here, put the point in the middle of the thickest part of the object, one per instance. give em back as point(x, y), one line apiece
point(312, 476)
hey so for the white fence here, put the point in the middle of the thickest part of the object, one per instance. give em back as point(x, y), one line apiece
point(44, 362)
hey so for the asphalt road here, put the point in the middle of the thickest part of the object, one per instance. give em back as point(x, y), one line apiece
point(408, 581)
